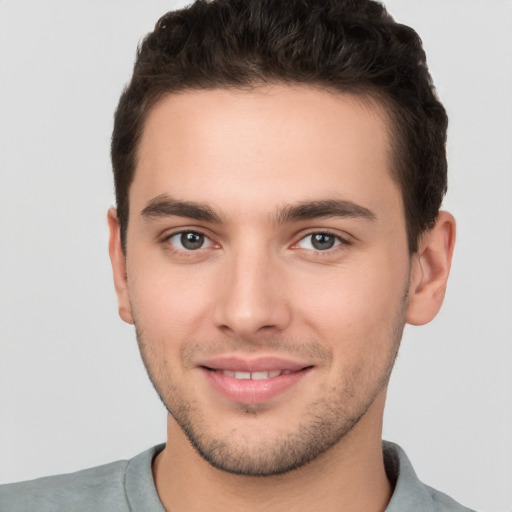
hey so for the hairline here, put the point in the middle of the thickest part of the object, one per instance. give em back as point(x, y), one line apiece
point(368, 95)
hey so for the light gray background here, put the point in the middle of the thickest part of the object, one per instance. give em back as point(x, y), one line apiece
point(73, 392)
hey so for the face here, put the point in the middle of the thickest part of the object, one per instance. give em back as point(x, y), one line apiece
point(267, 270)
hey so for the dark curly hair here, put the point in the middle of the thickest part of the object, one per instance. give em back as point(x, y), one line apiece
point(351, 46)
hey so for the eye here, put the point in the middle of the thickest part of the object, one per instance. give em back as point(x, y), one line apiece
point(319, 241)
point(189, 241)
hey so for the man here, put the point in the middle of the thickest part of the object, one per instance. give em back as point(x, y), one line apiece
point(279, 170)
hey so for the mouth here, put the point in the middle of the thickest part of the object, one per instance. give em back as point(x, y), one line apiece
point(254, 375)
point(257, 381)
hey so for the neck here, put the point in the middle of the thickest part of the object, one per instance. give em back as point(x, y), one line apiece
point(350, 476)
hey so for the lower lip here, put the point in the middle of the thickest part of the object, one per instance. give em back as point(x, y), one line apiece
point(249, 391)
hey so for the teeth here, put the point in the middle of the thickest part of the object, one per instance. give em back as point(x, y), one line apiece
point(265, 375)
point(254, 375)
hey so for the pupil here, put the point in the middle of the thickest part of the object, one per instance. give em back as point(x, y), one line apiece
point(192, 240)
point(322, 241)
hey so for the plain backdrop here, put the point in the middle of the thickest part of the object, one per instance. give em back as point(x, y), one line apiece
point(73, 392)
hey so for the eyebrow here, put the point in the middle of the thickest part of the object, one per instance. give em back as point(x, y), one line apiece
point(323, 209)
point(165, 206)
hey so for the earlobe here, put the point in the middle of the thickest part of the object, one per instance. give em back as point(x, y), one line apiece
point(430, 271)
point(118, 261)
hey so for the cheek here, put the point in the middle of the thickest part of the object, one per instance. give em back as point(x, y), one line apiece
point(353, 308)
point(169, 300)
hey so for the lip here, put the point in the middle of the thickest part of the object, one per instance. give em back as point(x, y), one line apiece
point(249, 391)
point(258, 364)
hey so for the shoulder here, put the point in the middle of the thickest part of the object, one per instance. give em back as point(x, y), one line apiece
point(443, 503)
point(101, 488)
point(410, 493)
point(83, 490)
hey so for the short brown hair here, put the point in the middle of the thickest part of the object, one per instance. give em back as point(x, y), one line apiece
point(350, 46)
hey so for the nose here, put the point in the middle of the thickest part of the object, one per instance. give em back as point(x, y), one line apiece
point(252, 297)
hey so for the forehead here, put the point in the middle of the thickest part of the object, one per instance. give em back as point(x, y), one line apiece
point(274, 145)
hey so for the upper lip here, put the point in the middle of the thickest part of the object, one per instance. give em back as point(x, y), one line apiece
point(259, 364)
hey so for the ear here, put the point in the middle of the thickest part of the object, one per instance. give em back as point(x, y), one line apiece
point(430, 270)
point(118, 261)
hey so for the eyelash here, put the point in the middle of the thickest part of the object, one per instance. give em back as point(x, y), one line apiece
point(340, 242)
point(185, 252)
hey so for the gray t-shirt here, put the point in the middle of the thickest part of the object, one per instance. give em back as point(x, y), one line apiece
point(127, 486)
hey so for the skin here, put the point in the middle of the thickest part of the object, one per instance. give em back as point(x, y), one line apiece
point(258, 287)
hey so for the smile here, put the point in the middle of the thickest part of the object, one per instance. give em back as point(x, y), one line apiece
point(255, 375)
point(253, 381)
